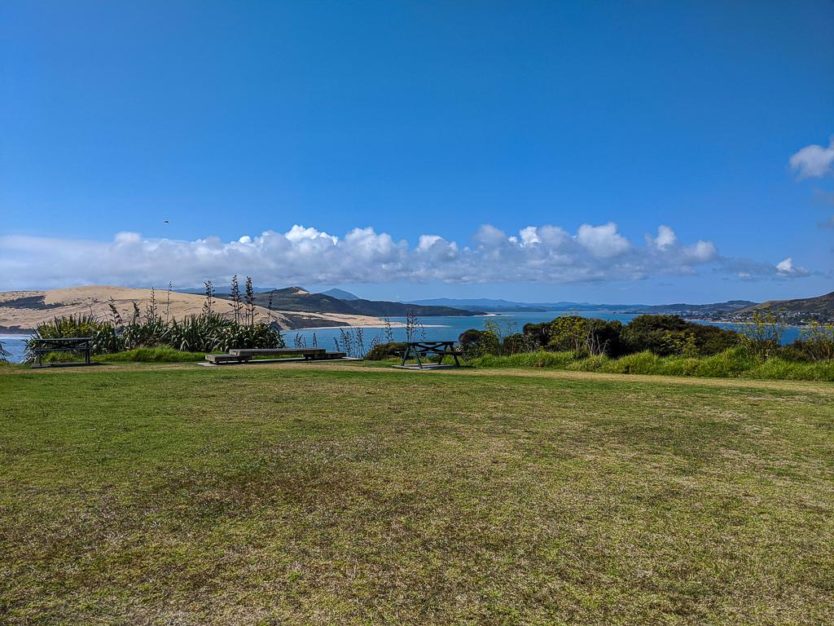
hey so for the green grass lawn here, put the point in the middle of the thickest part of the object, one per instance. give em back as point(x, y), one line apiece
point(347, 494)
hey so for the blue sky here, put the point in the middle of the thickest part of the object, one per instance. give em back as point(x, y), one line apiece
point(464, 122)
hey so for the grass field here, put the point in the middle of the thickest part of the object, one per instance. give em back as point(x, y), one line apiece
point(176, 494)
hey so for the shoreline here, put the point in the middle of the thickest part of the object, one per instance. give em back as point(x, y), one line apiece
point(739, 323)
point(392, 325)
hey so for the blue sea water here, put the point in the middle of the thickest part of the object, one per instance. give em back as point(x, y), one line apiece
point(449, 328)
point(15, 345)
point(433, 329)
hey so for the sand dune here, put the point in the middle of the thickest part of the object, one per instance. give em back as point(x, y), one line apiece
point(24, 310)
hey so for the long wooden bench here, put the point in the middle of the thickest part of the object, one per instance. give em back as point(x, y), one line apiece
point(245, 355)
point(305, 352)
point(219, 359)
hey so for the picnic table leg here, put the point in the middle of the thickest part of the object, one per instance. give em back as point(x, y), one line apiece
point(454, 356)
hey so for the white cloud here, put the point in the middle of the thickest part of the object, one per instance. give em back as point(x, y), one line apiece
point(701, 251)
point(529, 236)
point(308, 256)
point(786, 267)
point(813, 161)
point(602, 241)
point(747, 269)
point(489, 236)
point(665, 239)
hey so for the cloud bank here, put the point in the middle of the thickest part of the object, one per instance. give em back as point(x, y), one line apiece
point(308, 256)
point(813, 161)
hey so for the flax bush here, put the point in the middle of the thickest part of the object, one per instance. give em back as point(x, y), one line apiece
point(208, 332)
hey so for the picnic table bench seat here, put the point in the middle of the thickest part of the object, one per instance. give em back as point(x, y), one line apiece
point(218, 359)
point(245, 355)
point(277, 351)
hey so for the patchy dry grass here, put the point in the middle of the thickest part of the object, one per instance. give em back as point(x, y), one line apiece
point(295, 494)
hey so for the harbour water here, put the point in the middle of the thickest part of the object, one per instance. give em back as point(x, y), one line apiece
point(450, 328)
point(431, 329)
point(15, 346)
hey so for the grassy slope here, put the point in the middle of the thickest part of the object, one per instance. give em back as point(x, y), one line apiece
point(821, 305)
point(178, 494)
point(731, 363)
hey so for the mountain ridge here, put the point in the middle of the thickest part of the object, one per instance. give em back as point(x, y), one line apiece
point(301, 300)
point(501, 305)
point(796, 310)
point(340, 294)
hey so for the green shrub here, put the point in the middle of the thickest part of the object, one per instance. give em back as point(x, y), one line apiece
point(679, 366)
point(518, 343)
point(538, 334)
point(60, 357)
point(727, 364)
point(208, 332)
point(713, 339)
point(103, 334)
point(584, 335)
point(159, 354)
point(779, 369)
point(667, 335)
point(589, 364)
point(815, 345)
point(639, 363)
point(384, 351)
point(732, 363)
point(475, 343)
point(540, 358)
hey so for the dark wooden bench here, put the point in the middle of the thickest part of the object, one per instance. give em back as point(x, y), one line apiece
point(219, 359)
point(245, 355)
point(307, 353)
point(327, 356)
point(40, 347)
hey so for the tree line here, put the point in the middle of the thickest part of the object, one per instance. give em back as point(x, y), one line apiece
point(662, 335)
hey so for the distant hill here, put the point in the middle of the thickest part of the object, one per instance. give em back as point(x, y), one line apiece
point(480, 304)
point(708, 311)
point(340, 294)
point(508, 306)
point(505, 306)
point(801, 310)
point(22, 311)
point(299, 299)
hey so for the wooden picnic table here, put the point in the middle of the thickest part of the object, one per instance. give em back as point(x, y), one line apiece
point(41, 346)
point(417, 349)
